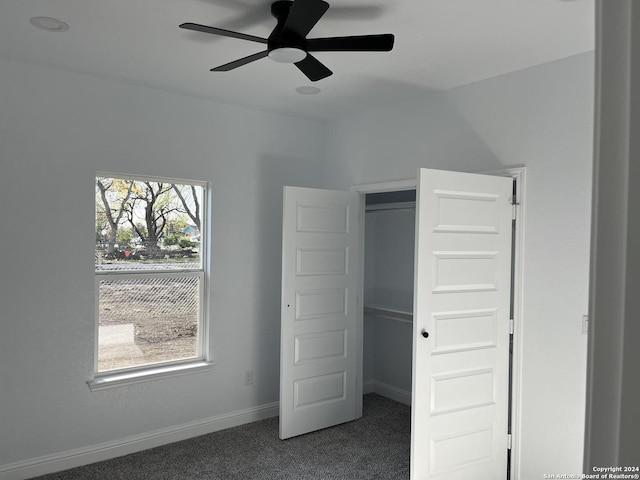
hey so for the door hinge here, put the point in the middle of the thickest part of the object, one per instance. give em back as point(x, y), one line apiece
point(512, 326)
point(514, 207)
point(509, 441)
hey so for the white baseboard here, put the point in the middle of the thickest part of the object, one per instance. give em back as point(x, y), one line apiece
point(386, 390)
point(104, 451)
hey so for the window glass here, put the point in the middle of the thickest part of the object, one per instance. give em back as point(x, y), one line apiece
point(149, 271)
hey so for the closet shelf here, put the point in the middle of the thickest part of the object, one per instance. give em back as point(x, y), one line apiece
point(380, 207)
point(388, 313)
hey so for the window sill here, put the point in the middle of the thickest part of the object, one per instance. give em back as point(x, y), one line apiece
point(118, 379)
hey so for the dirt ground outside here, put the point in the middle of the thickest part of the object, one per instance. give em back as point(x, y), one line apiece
point(147, 320)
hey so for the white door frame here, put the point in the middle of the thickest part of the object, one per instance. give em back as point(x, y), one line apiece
point(519, 175)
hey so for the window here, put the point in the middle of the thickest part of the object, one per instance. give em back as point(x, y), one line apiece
point(150, 275)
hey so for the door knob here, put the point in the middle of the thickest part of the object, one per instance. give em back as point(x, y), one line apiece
point(425, 334)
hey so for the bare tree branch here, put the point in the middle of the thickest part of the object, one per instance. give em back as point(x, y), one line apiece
point(195, 216)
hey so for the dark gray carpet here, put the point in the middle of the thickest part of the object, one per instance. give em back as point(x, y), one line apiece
point(375, 446)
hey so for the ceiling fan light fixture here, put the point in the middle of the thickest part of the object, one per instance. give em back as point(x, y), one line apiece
point(287, 55)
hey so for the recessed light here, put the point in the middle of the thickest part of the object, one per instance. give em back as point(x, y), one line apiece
point(308, 90)
point(49, 24)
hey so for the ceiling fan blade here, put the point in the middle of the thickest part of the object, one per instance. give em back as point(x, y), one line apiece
point(304, 14)
point(313, 69)
point(242, 61)
point(359, 43)
point(220, 31)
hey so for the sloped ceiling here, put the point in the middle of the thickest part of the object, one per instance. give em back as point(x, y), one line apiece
point(440, 44)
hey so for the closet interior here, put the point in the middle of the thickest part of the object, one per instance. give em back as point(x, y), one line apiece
point(388, 293)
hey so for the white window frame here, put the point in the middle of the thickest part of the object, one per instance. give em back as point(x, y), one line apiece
point(202, 360)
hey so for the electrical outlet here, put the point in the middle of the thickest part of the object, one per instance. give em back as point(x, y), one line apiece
point(248, 377)
point(585, 324)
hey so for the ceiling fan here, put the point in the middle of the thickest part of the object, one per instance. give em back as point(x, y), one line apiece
point(288, 43)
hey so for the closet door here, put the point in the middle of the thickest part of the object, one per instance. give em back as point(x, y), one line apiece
point(461, 326)
point(320, 351)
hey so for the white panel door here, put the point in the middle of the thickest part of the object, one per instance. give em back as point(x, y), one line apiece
point(461, 326)
point(320, 332)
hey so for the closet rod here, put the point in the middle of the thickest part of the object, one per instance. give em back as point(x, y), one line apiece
point(389, 314)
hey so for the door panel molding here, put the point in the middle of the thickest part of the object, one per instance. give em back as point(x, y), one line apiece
point(461, 397)
point(320, 358)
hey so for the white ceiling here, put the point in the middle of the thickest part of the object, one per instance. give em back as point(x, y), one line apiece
point(439, 44)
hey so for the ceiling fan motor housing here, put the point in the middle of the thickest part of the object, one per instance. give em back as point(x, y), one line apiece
point(282, 38)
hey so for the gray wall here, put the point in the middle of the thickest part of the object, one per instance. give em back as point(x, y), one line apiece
point(56, 130)
point(542, 118)
point(389, 245)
